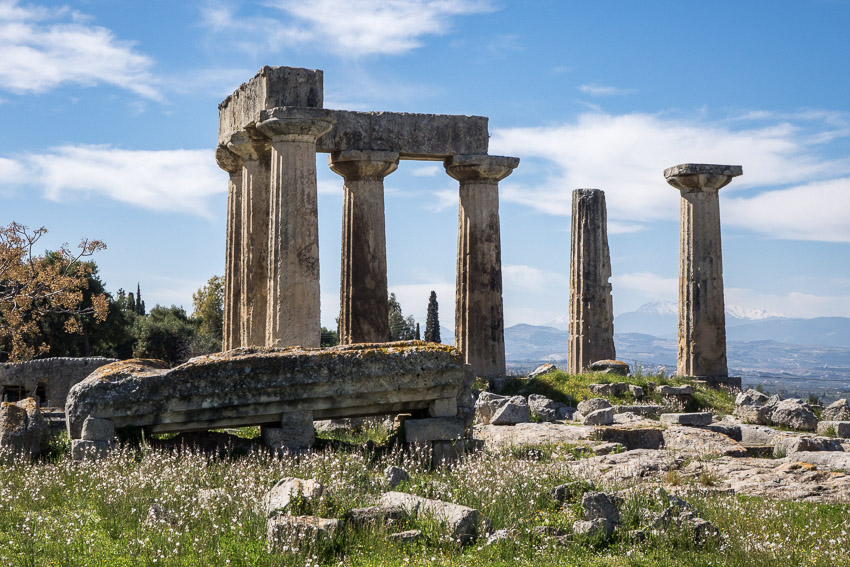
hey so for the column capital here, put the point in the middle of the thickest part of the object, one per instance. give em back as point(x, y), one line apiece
point(701, 177)
point(296, 124)
point(480, 167)
point(227, 160)
point(359, 164)
point(248, 145)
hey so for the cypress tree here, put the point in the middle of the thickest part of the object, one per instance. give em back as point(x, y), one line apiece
point(432, 322)
point(140, 308)
point(131, 302)
point(418, 336)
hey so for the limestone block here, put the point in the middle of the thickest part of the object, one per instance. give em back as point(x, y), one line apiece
point(593, 404)
point(608, 389)
point(599, 505)
point(486, 406)
point(593, 528)
point(444, 407)
point(395, 476)
point(751, 398)
point(685, 390)
point(461, 521)
point(433, 429)
point(691, 419)
point(547, 410)
point(645, 410)
point(445, 452)
point(82, 449)
point(839, 428)
point(296, 432)
point(758, 415)
point(795, 414)
point(632, 436)
point(511, 413)
point(282, 494)
point(730, 430)
point(407, 536)
point(604, 416)
point(839, 410)
point(701, 442)
point(610, 367)
point(285, 533)
point(23, 428)
point(95, 429)
point(796, 444)
point(636, 391)
point(541, 370)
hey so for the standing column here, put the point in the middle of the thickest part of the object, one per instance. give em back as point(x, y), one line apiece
point(293, 315)
point(591, 307)
point(702, 321)
point(363, 274)
point(255, 155)
point(230, 162)
point(479, 319)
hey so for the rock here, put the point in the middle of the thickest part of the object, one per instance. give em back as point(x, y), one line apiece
point(565, 413)
point(607, 448)
point(839, 410)
point(759, 415)
point(375, 515)
point(797, 444)
point(604, 416)
point(685, 390)
point(514, 411)
point(701, 442)
point(593, 404)
point(433, 429)
point(795, 414)
point(95, 429)
point(295, 433)
point(626, 466)
point(408, 536)
point(636, 391)
point(644, 410)
point(497, 436)
point(486, 406)
point(283, 493)
point(837, 428)
point(288, 533)
point(542, 369)
point(628, 417)
point(500, 535)
point(730, 430)
point(593, 528)
point(608, 389)
point(610, 367)
point(599, 506)
point(751, 398)
point(690, 419)
point(23, 428)
point(569, 490)
point(462, 521)
point(83, 449)
point(639, 435)
point(549, 531)
point(545, 409)
point(395, 476)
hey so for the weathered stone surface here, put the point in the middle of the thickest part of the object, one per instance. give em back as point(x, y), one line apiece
point(610, 367)
point(257, 386)
point(479, 317)
point(591, 310)
point(805, 443)
point(283, 493)
point(374, 515)
point(702, 319)
point(514, 411)
point(486, 406)
point(287, 533)
point(608, 389)
point(636, 435)
point(295, 433)
point(407, 536)
point(636, 391)
point(86, 449)
point(759, 415)
point(730, 430)
point(433, 429)
point(548, 410)
point(685, 390)
point(95, 429)
point(701, 442)
point(751, 398)
point(692, 419)
point(395, 476)
point(593, 404)
point(837, 428)
point(462, 521)
point(496, 436)
point(629, 465)
point(645, 410)
point(604, 416)
point(567, 491)
point(23, 428)
point(593, 528)
point(839, 410)
point(54, 375)
point(542, 369)
point(795, 414)
point(599, 506)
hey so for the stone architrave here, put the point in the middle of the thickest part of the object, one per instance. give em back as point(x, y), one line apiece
point(702, 321)
point(479, 319)
point(591, 307)
point(254, 238)
point(232, 164)
point(293, 315)
point(363, 272)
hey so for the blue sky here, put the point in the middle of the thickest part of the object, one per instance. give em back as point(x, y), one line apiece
point(108, 121)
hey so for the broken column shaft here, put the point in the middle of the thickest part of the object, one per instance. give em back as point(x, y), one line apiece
point(591, 324)
point(702, 321)
point(363, 274)
point(479, 318)
point(232, 164)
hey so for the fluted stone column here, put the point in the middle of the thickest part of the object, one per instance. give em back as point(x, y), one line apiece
point(479, 318)
point(702, 321)
point(363, 273)
point(256, 163)
point(293, 315)
point(591, 307)
point(231, 163)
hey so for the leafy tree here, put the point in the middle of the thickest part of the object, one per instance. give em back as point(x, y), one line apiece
point(432, 322)
point(401, 329)
point(329, 338)
point(208, 302)
point(131, 303)
point(166, 333)
point(33, 286)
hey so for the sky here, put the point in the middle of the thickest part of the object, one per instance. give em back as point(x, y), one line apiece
point(108, 125)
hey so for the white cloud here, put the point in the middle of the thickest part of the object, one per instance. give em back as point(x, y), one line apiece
point(792, 304)
point(166, 180)
point(349, 29)
point(625, 155)
point(604, 90)
point(446, 199)
point(429, 170)
point(530, 278)
point(43, 48)
point(649, 285)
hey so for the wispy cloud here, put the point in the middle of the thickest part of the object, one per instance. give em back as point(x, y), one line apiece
point(647, 284)
point(42, 48)
point(625, 156)
point(791, 304)
point(530, 278)
point(604, 90)
point(348, 29)
point(168, 180)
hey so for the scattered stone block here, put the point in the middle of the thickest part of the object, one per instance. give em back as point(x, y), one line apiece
point(462, 521)
point(604, 416)
point(699, 419)
point(542, 369)
point(839, 410)
point(610, 367)
point(599, 505)
point(666, 390)
point(95, 429)
point(839, 428)
point(407, 536)
point(701, 442)
point(287, 533)
point(797, 444)
point(282, 494)
point(758, 415)
point(567, 491)
point(375, 515)
point(636, 391)
point(444, 407)
point(433, 429)
point(514, 411)
point(751, 398)
point(632, 437)
point(593, 404)
point(486, 406)
point(545, 409)
point(593, 528)
point(644, 410)
point(607, 448)
point(295, 434)
point(23, 428)
point(395, 476)
point(730, 430)
point(795, 414)
point(608, 389)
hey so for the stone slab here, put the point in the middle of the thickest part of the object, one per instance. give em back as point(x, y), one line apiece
point(501, 436)
point(433, 429)
point(703, 169)
point(701, 442)
point(95, 429)
point(839, 428)
point(698, 419)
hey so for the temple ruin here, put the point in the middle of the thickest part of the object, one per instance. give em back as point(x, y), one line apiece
point(270, 129)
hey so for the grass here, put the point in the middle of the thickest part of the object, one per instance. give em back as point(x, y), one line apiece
point(56, 511)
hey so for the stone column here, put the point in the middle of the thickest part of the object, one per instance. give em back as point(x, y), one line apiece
point(479, 320)
point(293, 316)
point(231, 163)
point(255, 155)
point(702, 321)
point(591, 308)
point(363, 273)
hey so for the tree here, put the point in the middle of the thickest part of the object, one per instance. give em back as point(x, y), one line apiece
point(166, 333)
point(418, 336)
point(33, 286)
point(208, 304)
point(329, 338)
point(140, 305)
point(401, 329)
point(432, 322)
